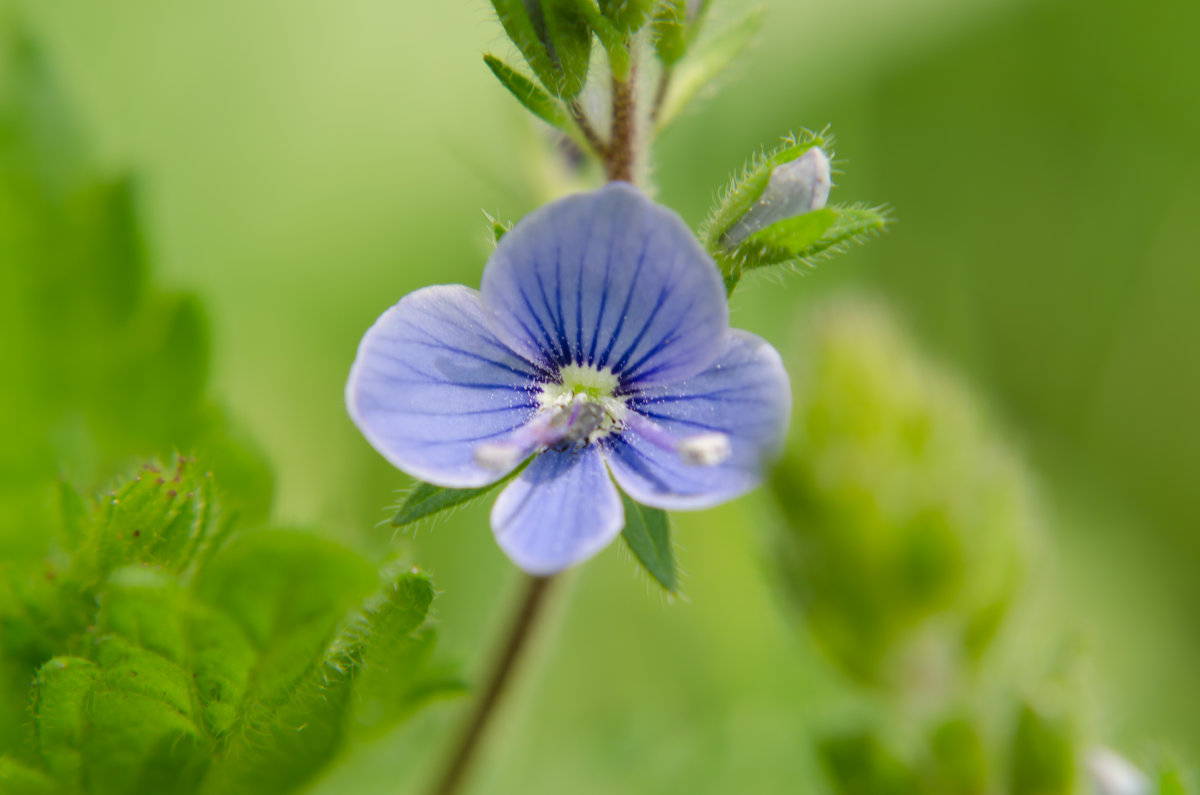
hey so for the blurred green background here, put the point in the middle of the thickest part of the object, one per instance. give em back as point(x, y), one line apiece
point(301, 165)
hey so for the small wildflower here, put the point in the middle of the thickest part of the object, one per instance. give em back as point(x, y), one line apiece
point(794, 188)
point(599, 345)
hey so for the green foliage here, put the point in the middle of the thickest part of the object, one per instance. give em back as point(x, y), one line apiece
point(105, 366)
point(1043, 754)
point(906, 513)
point(555, 38)
point(648, 534)
point(535, 100)
point(703, 62)
point(627, 16)
point(166, 658)
point(427, 501)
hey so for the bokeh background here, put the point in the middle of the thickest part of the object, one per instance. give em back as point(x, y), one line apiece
point(300, 165)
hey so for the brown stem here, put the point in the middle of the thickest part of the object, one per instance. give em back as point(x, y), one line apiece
point(498, 679)
point(618, 161)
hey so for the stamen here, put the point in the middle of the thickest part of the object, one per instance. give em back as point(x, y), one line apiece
point(700, 450)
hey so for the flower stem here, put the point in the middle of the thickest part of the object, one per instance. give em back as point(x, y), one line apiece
point(498, 680)
point(618, 161)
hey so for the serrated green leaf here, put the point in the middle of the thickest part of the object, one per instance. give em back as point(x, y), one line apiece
point(427, 500)
point(142, 736)
point(222, 661)
point(275, 583)
point(147, 608)
point(1043, 755)
point(60, 689)
point(705, 60)
point(535, 100)
point(20, 779)
point(291, 729)
point(648, 534)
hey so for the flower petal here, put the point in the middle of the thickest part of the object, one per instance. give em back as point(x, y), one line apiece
point(608, 278)
point(563, 509)
point(745, 395)
point(431, 382)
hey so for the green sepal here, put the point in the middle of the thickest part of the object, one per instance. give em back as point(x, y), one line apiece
point(499, 228)
point(535, 100)
point(426, 500)
point(749, 183)
point(647, 533)
point(704, 62)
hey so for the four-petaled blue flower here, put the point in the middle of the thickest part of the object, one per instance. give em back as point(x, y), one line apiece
point(599, 343)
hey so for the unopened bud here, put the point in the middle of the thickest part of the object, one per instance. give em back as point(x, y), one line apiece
point(1113, 774)
point(794, 188)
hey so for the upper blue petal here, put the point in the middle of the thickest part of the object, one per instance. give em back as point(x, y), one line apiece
point(560, 511)
point(745, 395)
point(608, 278)
point(431, 382)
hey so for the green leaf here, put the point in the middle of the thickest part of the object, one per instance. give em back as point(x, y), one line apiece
point(19, 779)
point(554, 37)
point(535, 100)
point(671, 31)
point(427, 500)
point(860, 765)
point(704, 62)
point(627, 16)
point(59, 692)
point(569, 41)
point(291, 727)
point(959, 759)
point(1043, 755)
point(142, 735)
point(648, 534)
point(614, 42)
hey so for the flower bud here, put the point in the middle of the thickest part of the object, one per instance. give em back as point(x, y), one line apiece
point(1112, 774)
point(794, 188)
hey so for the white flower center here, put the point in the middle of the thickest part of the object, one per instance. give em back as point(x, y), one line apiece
point(585, 402)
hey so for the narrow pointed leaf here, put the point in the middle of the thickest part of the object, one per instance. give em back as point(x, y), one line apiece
point(514, 16)
point(569, 38)
point(427, 500)
point(648, 534)
point(705, 61)
point(535, 99)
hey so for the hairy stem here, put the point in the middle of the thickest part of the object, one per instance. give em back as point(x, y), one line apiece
point(618, 160)
point(498, 680)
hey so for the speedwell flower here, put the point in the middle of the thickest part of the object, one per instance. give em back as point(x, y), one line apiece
point(599, 345)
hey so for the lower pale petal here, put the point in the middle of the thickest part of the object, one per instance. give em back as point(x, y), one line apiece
point(562, 510)
point(431, 383)
point(744, 395)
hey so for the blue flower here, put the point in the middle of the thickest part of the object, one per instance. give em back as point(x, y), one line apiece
point(599, 344)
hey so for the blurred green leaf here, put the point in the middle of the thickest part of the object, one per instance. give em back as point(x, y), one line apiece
point(959, 760)
point(627, 16)
point(705, 60)
point(860, 765)
point(427, 501)
point(19, 779)
point(61, 687)
point(648, 534)
point(569, 40)
point(671, 30)
point(1043, 755)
